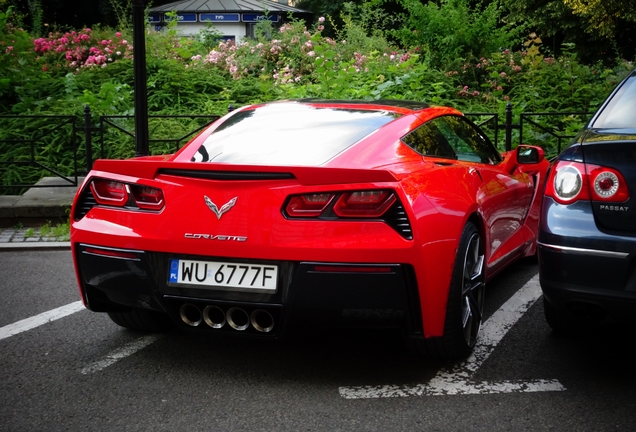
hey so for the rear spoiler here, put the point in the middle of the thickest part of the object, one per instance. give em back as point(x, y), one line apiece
point(308, 176)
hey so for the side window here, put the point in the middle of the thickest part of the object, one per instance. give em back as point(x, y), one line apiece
point(452, 137)
point(428, 140)
point(467, 142)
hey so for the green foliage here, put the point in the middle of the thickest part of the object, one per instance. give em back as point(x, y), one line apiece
point(602, 15)
point(465, 65)
point(455, 30)
point(16, 58)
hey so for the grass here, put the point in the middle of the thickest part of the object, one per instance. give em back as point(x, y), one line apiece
point(59, 232)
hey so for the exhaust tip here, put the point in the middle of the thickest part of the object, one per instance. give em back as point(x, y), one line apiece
point(237, 318)
point(262, 320)
point(214, 316)
point(190, 314)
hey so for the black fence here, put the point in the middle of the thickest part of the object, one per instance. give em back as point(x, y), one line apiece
point(37, 146)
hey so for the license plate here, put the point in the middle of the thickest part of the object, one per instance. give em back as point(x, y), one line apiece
point(224, 275)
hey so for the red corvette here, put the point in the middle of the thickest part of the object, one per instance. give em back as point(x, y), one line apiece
point(383, 213)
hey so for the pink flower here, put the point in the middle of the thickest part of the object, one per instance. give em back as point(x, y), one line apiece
point(321, 19)
point(118, 34)
point(503, 74)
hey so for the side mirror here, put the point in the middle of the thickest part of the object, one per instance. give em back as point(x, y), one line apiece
point(527, 155)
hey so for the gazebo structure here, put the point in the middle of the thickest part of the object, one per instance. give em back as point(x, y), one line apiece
point(234, 19)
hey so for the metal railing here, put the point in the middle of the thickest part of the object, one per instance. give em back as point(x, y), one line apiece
point(32, 142)
point(36, 146)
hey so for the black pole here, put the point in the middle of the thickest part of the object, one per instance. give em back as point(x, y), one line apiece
point(508, 143)
point(139, 64)
point(88, 138)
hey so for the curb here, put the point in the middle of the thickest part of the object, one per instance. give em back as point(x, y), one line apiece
point(29, 246)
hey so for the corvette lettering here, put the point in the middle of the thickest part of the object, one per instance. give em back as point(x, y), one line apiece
point(614, 208)
point(219, 237)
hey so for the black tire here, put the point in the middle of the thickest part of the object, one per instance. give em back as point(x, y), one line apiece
point(465, 302)
point(571, 322)
point(142, 320)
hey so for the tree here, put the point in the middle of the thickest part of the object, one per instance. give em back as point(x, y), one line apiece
point(604, 16)
point(557, 23)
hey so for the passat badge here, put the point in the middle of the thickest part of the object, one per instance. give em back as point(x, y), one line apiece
point(219, 212)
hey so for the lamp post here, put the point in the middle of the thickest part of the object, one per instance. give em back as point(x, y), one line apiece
point(139, 64)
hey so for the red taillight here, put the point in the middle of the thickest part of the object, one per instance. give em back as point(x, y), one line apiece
point(311, 205)
point(116, 193)
point(109, 192)
point(322, 268)
point(573, 181)
point(356, 204)
point(607, 184)
point(368, 204)
point(146, 197)
point(113, 253)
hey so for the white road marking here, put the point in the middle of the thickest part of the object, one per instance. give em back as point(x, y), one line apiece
point(456, 379)
point(38, 320)
point(120, 353)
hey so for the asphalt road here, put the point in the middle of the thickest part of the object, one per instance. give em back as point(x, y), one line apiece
point(82, 372)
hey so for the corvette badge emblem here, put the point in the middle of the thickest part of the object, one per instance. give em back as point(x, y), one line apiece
point(224, 208)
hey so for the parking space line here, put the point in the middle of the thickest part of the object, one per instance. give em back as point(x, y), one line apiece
point(120, 353)
point(456, 379)
point(38, 320)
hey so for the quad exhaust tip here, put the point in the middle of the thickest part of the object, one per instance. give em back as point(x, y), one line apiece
point(190, 314)
point(236, 317)
point(262, 320)
point(214, 317)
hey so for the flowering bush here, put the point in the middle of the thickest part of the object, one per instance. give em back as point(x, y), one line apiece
point(82, 49)
point(294, 55)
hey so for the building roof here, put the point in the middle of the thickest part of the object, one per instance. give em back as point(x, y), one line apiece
point(202, 6)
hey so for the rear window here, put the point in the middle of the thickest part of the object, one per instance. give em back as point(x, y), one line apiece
point(620, 112)
point(289, 134)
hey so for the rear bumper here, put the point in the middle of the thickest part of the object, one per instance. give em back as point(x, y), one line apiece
point(308, 293)
point(581, 265)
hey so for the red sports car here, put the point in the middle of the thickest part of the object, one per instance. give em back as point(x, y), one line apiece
point(283, 214)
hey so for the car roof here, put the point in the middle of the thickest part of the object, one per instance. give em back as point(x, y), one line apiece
point(397, 105)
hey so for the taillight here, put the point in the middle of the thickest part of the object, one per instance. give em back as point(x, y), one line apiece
point(109, 192)
point(369, 204)
point(573, 181)
point(607, 184)
point(115, 193)
point(311, 205)
point(356, 204)
point(146, 197)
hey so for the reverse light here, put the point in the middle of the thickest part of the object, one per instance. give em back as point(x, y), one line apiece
point(568, 182)
point(370, 204)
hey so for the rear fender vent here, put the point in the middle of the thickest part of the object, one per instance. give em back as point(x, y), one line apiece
point(84, 204)
point(397, 219)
